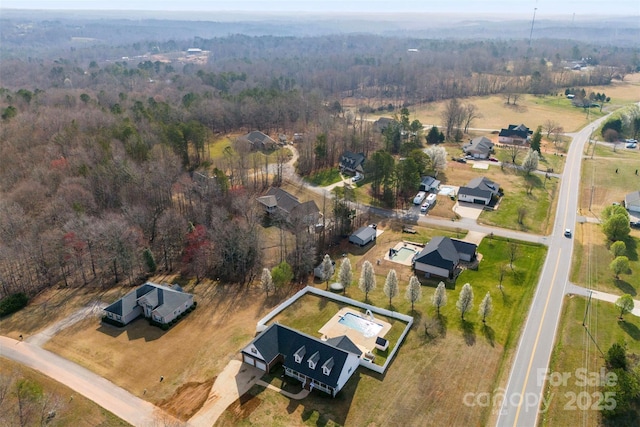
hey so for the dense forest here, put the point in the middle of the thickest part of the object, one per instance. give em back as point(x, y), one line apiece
point(99, 143)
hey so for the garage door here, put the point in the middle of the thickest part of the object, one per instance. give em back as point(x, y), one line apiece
point(261, 365)
point(249, 360)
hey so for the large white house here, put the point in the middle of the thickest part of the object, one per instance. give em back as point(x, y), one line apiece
point(323, 365)
point(157, 302)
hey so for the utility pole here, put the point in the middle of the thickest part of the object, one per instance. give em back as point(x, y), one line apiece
point(532, 22)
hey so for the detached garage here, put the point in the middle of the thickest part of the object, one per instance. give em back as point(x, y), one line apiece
point(363, 236)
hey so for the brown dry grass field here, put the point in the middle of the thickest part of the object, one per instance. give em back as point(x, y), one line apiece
point(189, 355)
point(599, 177)
point(73, 409)
point(531, 110)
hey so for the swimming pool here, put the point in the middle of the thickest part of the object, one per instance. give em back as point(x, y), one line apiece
point(404, 254)
point(367, 327)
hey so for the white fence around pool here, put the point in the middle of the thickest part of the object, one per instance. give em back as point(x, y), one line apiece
point(261, 326)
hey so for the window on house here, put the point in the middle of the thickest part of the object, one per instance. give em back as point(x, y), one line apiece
point(299, 354)
point(313, 360)
point(327, 366)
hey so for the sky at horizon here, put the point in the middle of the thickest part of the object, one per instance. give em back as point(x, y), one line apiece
point(551, 8)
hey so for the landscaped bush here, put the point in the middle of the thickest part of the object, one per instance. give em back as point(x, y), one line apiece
point(13, 303)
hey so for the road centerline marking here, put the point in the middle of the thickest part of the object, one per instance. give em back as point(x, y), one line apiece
point(535, 343)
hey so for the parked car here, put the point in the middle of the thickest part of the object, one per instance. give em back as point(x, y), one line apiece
point(424, 207)
point(634, 224)
point(357, 178)
point(493, 159)
point(631, 145)
point(461, 161)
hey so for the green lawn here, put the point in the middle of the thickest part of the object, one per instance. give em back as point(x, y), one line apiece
point(510, 304)
point(575, 348)
point(592, 258)
point(538, 204)
point(219, 147)
point(311, 312)
point(324, 177)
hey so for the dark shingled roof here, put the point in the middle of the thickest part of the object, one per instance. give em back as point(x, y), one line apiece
point(278, 339)
point(518, 131)
point(439, 252)
point(480, 187)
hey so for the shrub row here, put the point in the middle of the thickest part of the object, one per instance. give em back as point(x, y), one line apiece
point(166, 326)
point(13, 303)
point(113, 322)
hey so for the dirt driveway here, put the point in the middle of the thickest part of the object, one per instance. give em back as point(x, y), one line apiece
point(234, 381)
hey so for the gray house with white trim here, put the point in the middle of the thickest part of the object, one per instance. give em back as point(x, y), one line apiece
point(479, 190)
point(479, 147)
point(324, 365)
point(157, 302)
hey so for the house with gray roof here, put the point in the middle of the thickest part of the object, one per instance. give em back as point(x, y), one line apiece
point(480, 147)
point(351, 163)
point(632, 202)
point(441, 257)
point(429, 183)
point(515, 135)
point(479, 190)
point(323, 365)
point(363, 236)
point(160, 303)
point(259, 141)
point(276, 201)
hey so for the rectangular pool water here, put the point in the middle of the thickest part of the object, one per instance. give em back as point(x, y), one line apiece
point(366, 327)
point(404, 254)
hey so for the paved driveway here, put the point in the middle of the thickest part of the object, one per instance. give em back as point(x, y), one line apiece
point(468, 210)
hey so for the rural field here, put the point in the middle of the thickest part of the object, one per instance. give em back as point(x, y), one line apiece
point(533, 110)
point(591, 261)
point(579, 347)
point(202, 343)
point(71, 409)
point(421, 384)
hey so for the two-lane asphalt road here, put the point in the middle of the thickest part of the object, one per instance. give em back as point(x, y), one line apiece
point(523, 395)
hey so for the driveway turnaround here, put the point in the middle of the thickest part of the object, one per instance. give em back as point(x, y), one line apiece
point(103, 392)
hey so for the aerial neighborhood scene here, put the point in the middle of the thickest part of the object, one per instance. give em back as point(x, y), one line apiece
point(319, 213)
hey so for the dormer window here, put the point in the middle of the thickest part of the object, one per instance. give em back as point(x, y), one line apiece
point(327, 366)
point(299, 355)
point(313, 360)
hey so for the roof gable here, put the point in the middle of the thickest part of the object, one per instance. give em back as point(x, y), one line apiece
point(439, 252)
point(278, 339)
point(365, 233)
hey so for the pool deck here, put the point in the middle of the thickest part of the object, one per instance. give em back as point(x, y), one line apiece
point(401, 245)
point(333, 328)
